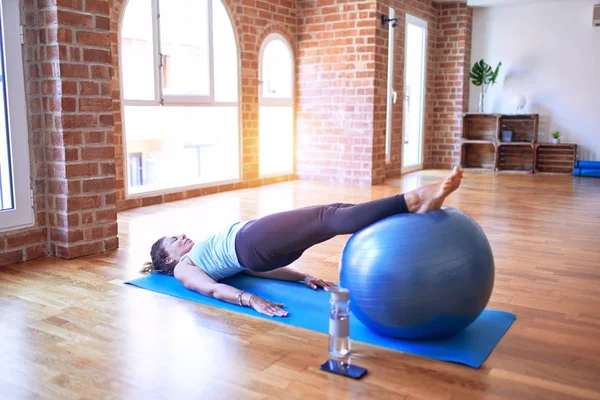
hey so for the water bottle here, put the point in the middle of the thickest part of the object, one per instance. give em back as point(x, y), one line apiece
point(339, 324)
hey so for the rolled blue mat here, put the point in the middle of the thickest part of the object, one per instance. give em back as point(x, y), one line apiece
point(576, 171)
point(588, 164)
point(309, 309)
point(590, 173)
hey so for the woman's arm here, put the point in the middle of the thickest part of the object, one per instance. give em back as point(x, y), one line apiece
point(193, 278)
point(289, 274)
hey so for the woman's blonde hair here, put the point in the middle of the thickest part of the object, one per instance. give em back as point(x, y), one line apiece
point(158, 265)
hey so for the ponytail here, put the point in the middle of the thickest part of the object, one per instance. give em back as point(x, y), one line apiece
point(158, 265)
point(148, 268)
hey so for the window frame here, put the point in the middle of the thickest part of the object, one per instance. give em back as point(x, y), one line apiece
point(22, 214)
point(170, 100)
point(165, 99)
point(270, 101)
point(183, 100)
point(140, 166)
point(156, 70)
point(277, 102)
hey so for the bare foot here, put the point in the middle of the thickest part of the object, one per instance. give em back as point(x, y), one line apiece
point(431, 197)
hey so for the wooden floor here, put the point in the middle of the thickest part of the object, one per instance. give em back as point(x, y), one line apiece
point(71, 329)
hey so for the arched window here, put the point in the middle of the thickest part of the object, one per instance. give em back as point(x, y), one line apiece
point(179, 77)
point(276, 111)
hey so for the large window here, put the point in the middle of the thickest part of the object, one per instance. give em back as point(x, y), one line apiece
point(179, 70)
point(16, 208)
point(276, 111)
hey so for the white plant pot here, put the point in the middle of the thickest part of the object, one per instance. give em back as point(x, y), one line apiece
point(555, 140)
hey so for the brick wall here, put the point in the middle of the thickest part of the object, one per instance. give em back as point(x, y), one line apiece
point(81, 195)
point(342, 74)
point(252, 21)
point(336, 90)
point(453, 59)
point(67, 68)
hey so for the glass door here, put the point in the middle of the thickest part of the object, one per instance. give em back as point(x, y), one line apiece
point(391, 22)
point(414, 93)
point(16, 198)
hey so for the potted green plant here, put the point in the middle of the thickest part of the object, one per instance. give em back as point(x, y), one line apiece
point(556, 137)
point(483, 75)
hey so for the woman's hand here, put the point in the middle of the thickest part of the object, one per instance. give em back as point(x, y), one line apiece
point(315, 283)
point(267, 307)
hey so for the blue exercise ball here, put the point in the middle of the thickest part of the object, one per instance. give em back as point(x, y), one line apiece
point(419, 276)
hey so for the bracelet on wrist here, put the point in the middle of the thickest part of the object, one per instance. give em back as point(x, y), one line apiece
point(239, 298)
point(250, 300)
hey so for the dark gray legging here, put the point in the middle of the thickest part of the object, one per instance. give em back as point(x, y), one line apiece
point(277, 240)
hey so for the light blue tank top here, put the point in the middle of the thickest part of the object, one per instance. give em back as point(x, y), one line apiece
point(216, 255)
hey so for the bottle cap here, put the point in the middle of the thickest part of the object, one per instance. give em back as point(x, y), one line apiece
point(338, 293)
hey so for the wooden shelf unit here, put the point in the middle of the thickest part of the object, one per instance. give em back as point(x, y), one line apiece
point(482, 147)
point(481, 127)
point(478, 156)
point(523, 127)
point(554, 158)
point(515, 157)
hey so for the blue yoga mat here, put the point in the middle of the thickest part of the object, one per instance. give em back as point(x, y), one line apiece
point(587, 164)
point(309, 309)
point(590, 173)
point(586, 172)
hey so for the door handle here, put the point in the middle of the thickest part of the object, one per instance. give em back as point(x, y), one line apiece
point(406, 142)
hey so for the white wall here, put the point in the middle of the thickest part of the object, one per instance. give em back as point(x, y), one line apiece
point(550, 54)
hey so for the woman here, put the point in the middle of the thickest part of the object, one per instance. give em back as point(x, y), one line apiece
point(266, 246)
